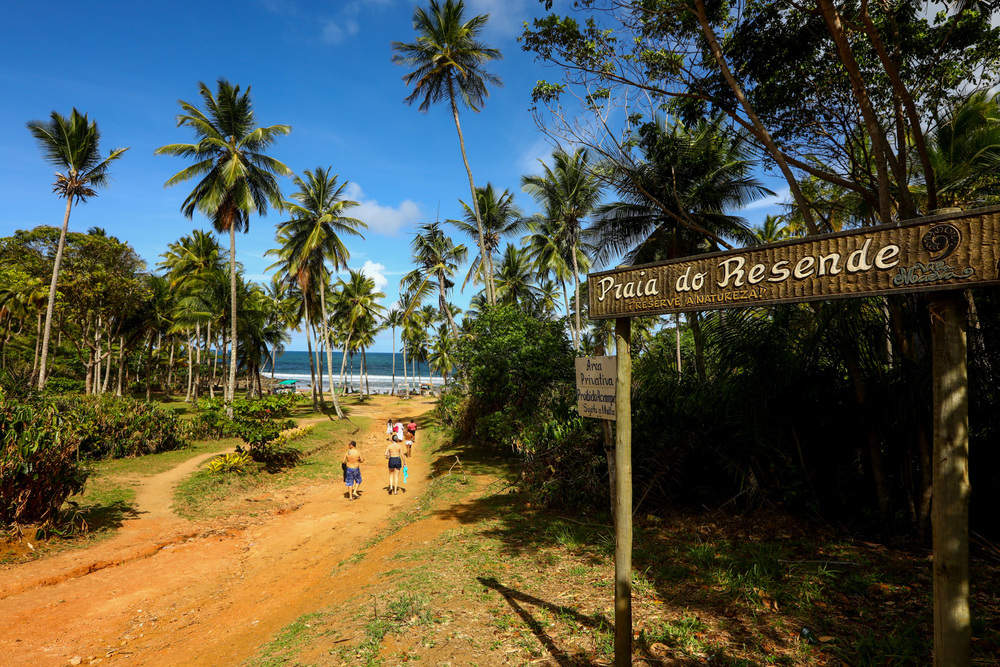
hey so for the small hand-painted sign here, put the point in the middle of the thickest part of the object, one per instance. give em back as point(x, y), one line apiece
point(936, 253)
point(596, 379)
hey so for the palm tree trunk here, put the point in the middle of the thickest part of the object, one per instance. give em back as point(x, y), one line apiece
point(329, 352)
point(231, 389)
point(208, 350)
point(274, 352)
point(38, 345)
point(569, 320)
point(187, 397)
point(50, 307)
point(149, 373)
point(406, 376)
point(364, 363)
point(197, 359)
point(215, 369)
point(343, 361)
point(393, 361)
point(443, 305)
point(576, 297)
point(319, 368)
point(170, 367)
point(677, 332)
point(121, 364)
point(488, 277)
point(312, 365)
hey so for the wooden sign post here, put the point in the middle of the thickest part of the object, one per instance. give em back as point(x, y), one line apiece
point(937, 253)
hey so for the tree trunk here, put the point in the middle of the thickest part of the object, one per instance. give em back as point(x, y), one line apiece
point(329, 352)
point(488, 274)
point(38, 345)
point(576, 297)
point(677, 333)
point(406, 376)
point(699, 345)
point(121, 365)
point(312, 365)
point(912, 115)
point(170, 369)
point(343, 362)
point(569, 320)
point(231, 389)
point(50, 307)
point(215, 368)
point(443, 304)
point(319, 368)
point(149, 371)
point(393, 361)
point(187, 397)
point(623, 494)
point(880, 149)
point(952, 624)
point(197, 360)
point(756, 125)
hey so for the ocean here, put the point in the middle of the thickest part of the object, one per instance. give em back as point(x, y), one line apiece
point(294, 365)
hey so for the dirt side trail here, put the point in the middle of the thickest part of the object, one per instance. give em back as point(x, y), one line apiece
point(170, 591)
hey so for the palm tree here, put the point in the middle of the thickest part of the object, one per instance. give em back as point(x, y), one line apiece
point(437, 260)
point(442, 353)
point(237, 177)
point(568, 192)
point(72, 145)
point(965, 152)
point(393, 319)
point(313, 236)
point(500, 217)
point(448, 61)
point(515, 279)
point(354, 299)
point(774, 229)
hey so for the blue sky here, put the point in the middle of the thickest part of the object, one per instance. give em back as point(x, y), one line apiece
point(323, 68)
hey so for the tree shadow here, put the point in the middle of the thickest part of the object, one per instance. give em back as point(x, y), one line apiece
point(100, 517)
point(516, 599)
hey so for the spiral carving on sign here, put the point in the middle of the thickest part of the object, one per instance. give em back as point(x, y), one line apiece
point(943, 239)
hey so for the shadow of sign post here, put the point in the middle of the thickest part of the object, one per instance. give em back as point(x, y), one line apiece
point(939, 253)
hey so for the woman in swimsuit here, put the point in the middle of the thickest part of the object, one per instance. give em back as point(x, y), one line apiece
point(397, 457)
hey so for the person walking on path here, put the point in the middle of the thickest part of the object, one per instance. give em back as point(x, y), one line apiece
point(394, 453)
point(397, 430)
point(352, 469)
point(388, 429)
point(411, 436)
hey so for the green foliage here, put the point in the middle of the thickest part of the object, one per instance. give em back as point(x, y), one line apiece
point(63, 385)
point(38, 460)
point(522, 397)
point(117, 427)
point(230, 463)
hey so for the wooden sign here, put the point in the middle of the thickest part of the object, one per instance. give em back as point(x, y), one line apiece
point(595, 387)
point(935, 253)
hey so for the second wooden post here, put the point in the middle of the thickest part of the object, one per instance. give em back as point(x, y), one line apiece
point(623, 494)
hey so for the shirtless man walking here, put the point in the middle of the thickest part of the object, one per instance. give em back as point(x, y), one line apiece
point(352, 469)
point(397, 457)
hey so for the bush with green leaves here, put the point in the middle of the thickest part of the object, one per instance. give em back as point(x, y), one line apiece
point(522, 398)
point(118, 427)
point(38, 460)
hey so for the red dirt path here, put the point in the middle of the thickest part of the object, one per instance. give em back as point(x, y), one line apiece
point(170, 591)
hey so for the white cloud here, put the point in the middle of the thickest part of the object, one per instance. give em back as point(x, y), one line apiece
point(375, 271)
point(530, 159)
point(779, 197)
point(381, 219)
point(506, 16)
point(337, 30)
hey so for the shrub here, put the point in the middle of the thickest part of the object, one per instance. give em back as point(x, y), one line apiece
point(119, 427)
point(63, 385)
point(233, 462)
point(38, 461)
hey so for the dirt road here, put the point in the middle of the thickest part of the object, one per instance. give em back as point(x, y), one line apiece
point(170, 591)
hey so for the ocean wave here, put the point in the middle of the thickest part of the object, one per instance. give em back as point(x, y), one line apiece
point(380, 380)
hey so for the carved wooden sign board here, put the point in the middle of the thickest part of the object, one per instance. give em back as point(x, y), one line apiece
point(941, 252)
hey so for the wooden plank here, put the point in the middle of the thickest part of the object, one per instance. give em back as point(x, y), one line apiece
point(623, 495)
point(941, 252)
point(950, 511)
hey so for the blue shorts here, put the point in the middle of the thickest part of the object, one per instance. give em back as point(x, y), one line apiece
point(352, 476)
point(395, 463)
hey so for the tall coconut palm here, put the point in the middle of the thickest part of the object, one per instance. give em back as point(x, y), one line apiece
point(449, 63)
point(73, 145)
point(500, 218)
point(515, 279)
point(437, 259)
point(313, 235)
point(354, 299)
point(394, 319)
point(237, 177)
point(568, 192)
point(772, 230)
